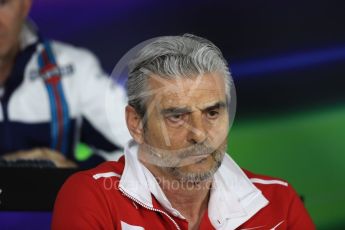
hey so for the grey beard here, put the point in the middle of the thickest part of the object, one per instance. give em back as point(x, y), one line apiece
point(197, 177)
point(170, 161)
point(174, 158)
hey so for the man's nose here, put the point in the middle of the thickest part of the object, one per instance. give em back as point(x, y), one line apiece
point(196, 128)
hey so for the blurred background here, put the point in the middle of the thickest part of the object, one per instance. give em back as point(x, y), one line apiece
point(288, 64)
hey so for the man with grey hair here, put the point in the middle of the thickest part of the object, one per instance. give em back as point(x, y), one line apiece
point(175, 173)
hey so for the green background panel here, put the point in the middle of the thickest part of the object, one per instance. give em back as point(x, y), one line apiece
point(307, 149)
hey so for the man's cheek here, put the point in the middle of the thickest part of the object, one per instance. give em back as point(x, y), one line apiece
point(218, 133)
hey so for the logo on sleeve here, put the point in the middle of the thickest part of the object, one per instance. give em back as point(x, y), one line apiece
point(275, 227)
point(125, 226)
point(55, 71)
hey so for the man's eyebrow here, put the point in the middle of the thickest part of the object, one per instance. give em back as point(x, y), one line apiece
point(183, 110)
point(217, 105)
point(175, 110)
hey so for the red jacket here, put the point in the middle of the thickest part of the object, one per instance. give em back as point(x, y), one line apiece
point(104, 198)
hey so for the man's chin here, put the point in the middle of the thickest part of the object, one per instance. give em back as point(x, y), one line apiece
point(8, 50)
point(4, 54)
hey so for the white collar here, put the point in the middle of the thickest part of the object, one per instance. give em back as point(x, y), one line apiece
point(28, 35)
point(233, 199)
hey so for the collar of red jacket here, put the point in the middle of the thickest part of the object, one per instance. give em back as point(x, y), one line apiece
point(233, 199)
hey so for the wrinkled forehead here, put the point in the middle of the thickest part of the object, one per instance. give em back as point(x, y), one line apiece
point(194, 91)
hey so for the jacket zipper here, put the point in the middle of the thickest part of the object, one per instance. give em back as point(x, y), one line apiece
point(149, 208)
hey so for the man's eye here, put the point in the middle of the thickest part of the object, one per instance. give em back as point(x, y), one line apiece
point(175, 118)
point(212, 114)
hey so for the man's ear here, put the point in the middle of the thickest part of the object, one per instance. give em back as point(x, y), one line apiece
point(134, 124)
point(26, 8)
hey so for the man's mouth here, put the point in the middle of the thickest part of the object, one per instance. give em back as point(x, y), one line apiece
point(197, 158)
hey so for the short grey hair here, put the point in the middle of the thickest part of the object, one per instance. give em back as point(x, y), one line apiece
point(172, 57)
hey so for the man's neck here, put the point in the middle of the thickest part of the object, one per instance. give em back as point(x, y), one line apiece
point(6, 64)
point(190, 199)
